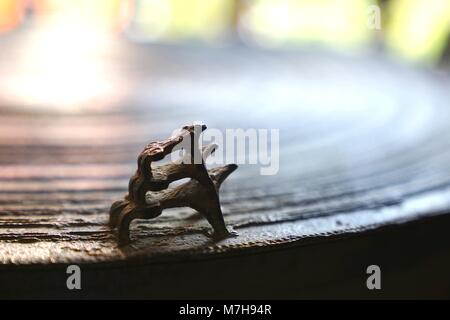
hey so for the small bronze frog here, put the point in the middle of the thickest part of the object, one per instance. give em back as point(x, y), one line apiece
point(149, 193)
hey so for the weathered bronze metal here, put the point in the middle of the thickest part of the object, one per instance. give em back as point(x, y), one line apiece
point(149, 193)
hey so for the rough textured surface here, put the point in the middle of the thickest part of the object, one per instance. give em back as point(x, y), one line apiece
point(364, 144)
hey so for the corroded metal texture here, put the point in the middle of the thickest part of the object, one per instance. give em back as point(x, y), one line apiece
point(364, 144)
point(149, 193)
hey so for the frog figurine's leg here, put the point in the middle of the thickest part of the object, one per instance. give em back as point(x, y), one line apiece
point(149, 192)
point(131, 212)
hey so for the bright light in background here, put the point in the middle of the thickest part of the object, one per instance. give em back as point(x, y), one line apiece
point(99, 15)
point(60, 64)
point(61, 58)
point(419, 29)
point(331, 22)
point(171, 20)
point(11, 12)
point(208, 19)
point(152, 19)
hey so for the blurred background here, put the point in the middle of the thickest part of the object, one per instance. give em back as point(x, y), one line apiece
point(67, 55)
